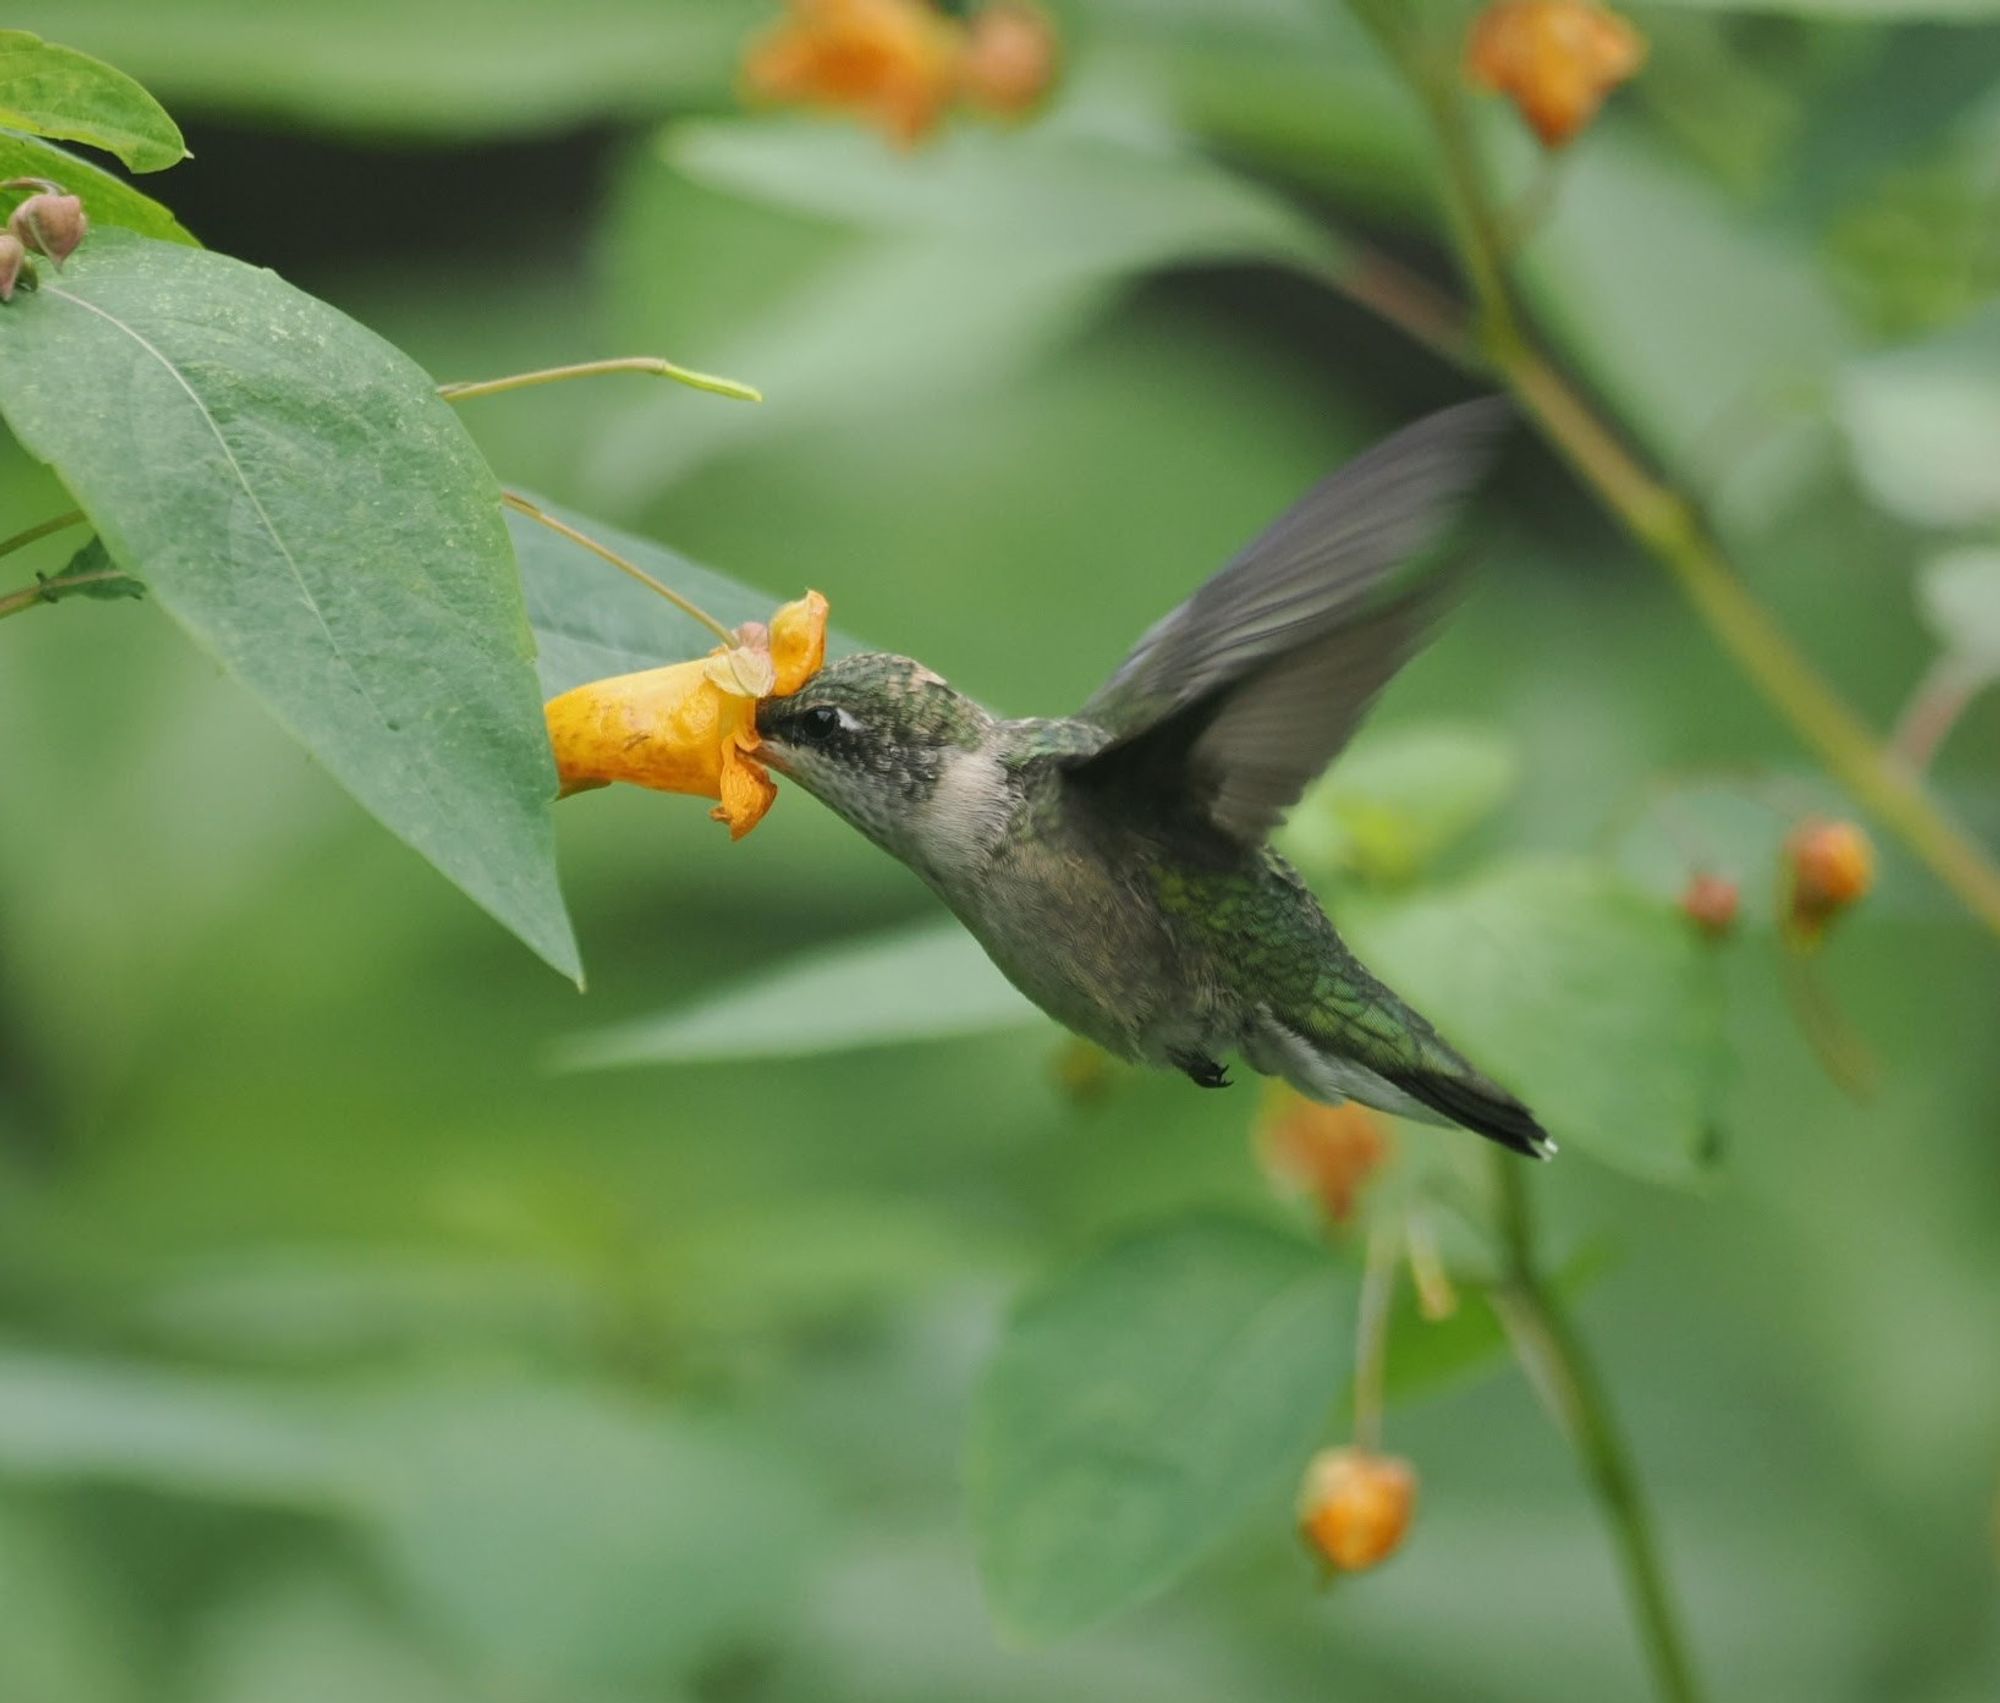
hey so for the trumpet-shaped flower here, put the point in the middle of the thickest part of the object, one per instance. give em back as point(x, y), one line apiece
point(691, 726)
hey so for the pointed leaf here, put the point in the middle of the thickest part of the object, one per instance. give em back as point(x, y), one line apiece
point(1141, 1406)
point(1599, 1005)
point(56, 91)
point(302, 502)
point(922, 984)
point(107, 199)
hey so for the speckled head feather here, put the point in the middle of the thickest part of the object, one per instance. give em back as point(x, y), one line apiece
point(872, 735)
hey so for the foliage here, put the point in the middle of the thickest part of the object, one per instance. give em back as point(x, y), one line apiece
point(348, 1351)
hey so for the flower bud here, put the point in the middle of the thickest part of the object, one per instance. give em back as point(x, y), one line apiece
point(1009, 62)
point(1355, 1506)
point(1329, 1152)
point(1555, 59)
point(1711, 902)
point(51, 224)
point(13, 257)
point(1829, 867)
point(892, 63)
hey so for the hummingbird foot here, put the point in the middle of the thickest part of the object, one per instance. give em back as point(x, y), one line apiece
point(1203, 1071)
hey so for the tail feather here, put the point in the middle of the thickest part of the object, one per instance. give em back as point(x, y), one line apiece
point(1479, 1105)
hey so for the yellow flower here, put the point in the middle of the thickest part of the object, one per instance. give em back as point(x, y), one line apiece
point(1556, 60)
point(691, 727)
point(1355, 1506)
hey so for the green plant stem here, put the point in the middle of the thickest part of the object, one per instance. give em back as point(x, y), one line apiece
point(41, 529)
point(1557, 1363)
point(541, 516)
point(30, 595)
point(1666, 523)
point(651, 364)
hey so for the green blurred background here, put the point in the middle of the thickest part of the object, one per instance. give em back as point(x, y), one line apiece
point(347, 1351)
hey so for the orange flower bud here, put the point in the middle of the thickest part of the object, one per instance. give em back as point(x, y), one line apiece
point(50, 224)
point(1829, 867)
point(1355, 1506)
point(1329, 1152)
point(892, 63)
point(13, 257)
point(1555, 59)
point(692, 726)
point(1010, 58)
point(1711, 902)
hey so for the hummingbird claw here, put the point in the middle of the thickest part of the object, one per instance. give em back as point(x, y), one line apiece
point(1203, 1071)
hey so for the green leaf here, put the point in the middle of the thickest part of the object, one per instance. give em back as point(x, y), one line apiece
point(1400, 798)
point(1686, 314)
point(56, 91)
point(923, 984)
point(1140, 1406)
point(108, 200)
point(1599, 1005)
point(1961, 601)
point(160, 1428)
point(1924, 425)
point(967, 259)
point(415, 68)
point(1118, 199)
point(566, 1538)
point(309, 510)
point(590, 620)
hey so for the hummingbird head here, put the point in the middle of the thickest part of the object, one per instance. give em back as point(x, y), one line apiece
point(875, 738)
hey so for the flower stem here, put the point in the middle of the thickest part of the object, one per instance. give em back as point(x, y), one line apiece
point(1371, 1338)
point(592, 369)
point(1554, 1357)
point(41, 529)
point(1658, 516)
point(541, 516)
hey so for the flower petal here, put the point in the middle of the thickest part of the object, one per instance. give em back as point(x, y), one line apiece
point(798, 642)
point(663, 728)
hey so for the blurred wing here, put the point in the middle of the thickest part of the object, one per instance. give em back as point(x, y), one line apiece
point(1242, 695)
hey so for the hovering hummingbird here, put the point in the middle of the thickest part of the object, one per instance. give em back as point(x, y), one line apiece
point(1115, 864)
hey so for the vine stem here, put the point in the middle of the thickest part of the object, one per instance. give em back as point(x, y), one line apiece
point(1559, 1367)
point(29, 595)
point(1656, 515)
point(652, 364)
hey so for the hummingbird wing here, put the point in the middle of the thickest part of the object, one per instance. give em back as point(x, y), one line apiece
point(1241, 696)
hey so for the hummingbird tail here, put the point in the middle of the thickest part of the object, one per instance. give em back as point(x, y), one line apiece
point(1479, 1105)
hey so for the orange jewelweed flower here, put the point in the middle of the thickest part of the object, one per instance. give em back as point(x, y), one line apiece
point(893, 63)
point(1355, 1506)
point(1329, 1152)
point(692, 726)
point(1829, 866)
point(1555, 59)
point(1010, 56)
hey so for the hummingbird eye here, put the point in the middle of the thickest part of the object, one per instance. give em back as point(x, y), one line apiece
point(819, 724)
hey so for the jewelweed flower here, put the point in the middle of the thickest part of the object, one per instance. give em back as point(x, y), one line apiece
point(1555, 59)
point(1329, 1152)
point(692, 726)
point(1829, 867)
point(893, 63)
point(1355, 1506)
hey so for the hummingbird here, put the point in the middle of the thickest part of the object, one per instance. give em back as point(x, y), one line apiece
point(1116, 864)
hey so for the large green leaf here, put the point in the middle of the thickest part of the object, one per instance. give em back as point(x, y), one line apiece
point(56, 91)
point(302, 502)
point(1141, 1406)
point(1924, 425)
point(972, 255)
point(1692, 318)
point(413, 67)
point(107, 199)
point(1599, 1005)
point(921, 984)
